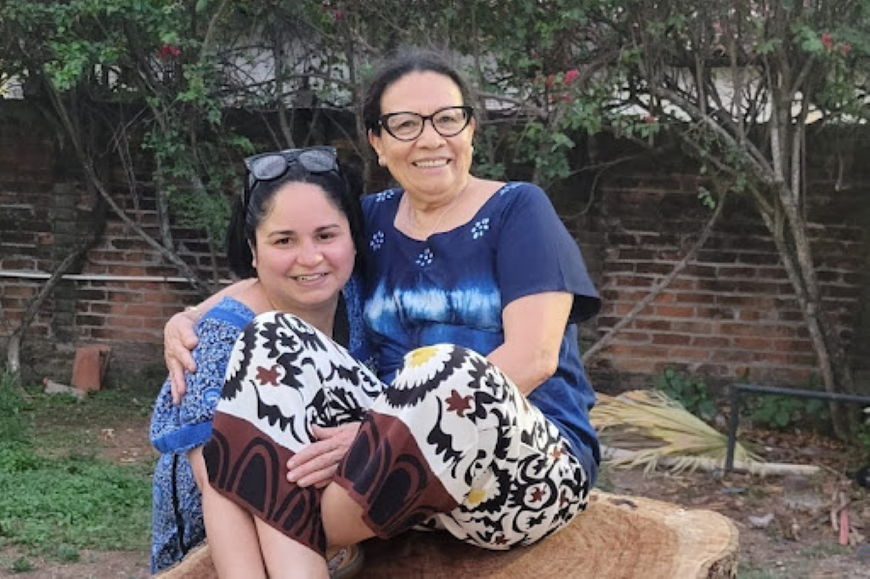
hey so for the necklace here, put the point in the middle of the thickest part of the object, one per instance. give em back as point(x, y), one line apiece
point(415, 224)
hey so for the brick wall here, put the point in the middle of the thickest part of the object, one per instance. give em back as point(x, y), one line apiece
point(731, 314)
point(44, 212)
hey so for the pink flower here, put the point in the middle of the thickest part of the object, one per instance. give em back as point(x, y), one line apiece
point(572, 75)
point(845, 47)
point(827, 41)
point(168, 51)
point(650, 119)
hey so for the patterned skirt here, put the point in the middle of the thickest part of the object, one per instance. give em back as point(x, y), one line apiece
point(451, 444)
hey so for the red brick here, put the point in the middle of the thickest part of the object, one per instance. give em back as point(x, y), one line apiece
point(667, 297)
point(757, 315)
point(626, 254)
point(694, 327)
point(653, 268)
point(629, 336)
point(793, 345)
point(711, 342)
point(639, 365)
point(750, 343)
point(142, 310)
point(618, 294)
point(125, 322)
point(715, 313)
point(11, 291)
point(89, 368)
point(692, 298)
point(754, 330)
point(690, 353)
point(636, 351)
point(674, 312)
point(671, 339)
point(659, 325)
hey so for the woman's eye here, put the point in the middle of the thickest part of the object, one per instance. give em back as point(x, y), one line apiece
point(407, 125)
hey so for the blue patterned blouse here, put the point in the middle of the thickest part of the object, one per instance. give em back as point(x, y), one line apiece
point(453, 287)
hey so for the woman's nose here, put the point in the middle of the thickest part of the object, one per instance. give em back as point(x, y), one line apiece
point(310, 254)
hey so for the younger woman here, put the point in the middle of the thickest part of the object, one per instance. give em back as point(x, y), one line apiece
point(295, 232)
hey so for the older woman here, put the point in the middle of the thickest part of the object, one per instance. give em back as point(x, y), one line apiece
point(497, 450)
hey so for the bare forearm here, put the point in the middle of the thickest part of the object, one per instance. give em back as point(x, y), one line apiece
point(526, 369)
point(533, 329)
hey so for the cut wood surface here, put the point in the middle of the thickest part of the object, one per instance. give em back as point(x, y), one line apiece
point(195, 565)
point(617, 537)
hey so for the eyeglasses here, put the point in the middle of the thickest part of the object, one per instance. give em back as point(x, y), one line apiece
point(274, 165)
point(447, 122)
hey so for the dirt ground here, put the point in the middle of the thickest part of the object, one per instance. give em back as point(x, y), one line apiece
point(784, 522)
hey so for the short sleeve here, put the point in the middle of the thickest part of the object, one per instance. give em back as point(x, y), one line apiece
point(188, 425)
point(536, 253)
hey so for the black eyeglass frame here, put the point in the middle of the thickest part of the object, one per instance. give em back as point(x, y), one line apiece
point(316, 160)
point(469, 114)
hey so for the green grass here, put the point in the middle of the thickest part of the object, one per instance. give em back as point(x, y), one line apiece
point(58, 495)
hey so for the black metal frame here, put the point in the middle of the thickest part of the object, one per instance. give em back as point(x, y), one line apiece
point(738, 389)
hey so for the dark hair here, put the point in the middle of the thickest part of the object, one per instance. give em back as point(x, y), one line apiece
point(396, 66)
point(344, 189)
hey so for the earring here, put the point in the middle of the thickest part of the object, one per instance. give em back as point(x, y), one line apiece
point(472, 149)
point(382, 162)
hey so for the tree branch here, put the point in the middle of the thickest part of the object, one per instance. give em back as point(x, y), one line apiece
point(659, 287)
point(92, 177)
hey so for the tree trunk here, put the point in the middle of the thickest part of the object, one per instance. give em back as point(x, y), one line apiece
point(617, 536)
point(787, 235)
point(13, 349)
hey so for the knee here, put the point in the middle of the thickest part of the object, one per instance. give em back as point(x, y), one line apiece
point(447, 370)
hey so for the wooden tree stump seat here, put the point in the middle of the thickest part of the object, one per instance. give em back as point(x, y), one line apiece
point(617, 537)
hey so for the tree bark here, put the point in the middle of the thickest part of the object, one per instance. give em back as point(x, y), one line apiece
point(13, 350)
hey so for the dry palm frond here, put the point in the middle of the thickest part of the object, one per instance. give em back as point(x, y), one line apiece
point(654, 427)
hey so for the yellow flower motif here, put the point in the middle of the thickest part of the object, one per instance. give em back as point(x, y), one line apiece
point(421, 355)
point(475, 496)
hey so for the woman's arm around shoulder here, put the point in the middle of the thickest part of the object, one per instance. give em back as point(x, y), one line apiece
point(179, 337)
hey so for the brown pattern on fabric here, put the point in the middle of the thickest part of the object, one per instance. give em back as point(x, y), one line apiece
point(386, 473)
point(249, 469)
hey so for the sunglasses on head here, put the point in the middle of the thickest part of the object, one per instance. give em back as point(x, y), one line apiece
point(270, 166)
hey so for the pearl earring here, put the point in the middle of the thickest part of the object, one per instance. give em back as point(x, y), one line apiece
point(382, 162)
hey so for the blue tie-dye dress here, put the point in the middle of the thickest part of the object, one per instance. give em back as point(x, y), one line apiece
point(453, 287)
